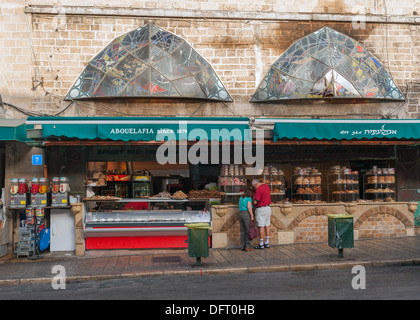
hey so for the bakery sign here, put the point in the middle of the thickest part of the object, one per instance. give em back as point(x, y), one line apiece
point(380, 132)
point(176, 130)
point(339, 129)
point(131, 131)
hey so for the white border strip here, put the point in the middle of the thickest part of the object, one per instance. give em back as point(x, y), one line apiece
point(217, 14)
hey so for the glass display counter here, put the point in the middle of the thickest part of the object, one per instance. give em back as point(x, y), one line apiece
point(379, 187)
point(306, 186)
point(343, 187)
point(142, 223)
point(232, 187)
point(274, 178)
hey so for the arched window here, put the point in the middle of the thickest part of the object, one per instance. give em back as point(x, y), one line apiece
point(149, 62)
point(327, 65)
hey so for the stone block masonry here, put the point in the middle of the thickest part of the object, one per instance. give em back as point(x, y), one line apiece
point(15, 58)
point(309, 223)
point(240, 52)
point(54, 41)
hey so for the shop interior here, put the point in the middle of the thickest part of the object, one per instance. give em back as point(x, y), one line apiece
point(293, 181)
point(152, 196)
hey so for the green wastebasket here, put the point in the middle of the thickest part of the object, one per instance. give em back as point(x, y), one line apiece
point(340, 232)
point(198, 240)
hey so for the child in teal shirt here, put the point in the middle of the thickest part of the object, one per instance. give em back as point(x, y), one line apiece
point(245, 216)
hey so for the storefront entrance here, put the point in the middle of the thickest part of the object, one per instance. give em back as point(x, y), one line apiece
point(133, 201)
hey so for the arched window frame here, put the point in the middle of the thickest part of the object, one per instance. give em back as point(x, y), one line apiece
point(327, 65)
point(149, 62)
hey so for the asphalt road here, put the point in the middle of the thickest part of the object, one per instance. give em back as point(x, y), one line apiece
point(381, 283)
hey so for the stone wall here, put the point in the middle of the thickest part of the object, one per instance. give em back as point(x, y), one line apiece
point(241, 7)
point(309, 223)
point(16, 67)
point(53, 41)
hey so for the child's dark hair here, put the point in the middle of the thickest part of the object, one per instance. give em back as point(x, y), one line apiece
point(247, 194)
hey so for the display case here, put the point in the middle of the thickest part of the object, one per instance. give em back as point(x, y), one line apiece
point(343, 185)
point(379, 185)
point(232, 183)
point(141, 223)
point(117, 186)
point(274, 178)
point(306, 186)
point(141, 187)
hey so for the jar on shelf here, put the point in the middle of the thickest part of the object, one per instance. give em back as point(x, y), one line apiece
point(343, 186)
point(34, 185)
point(43, 186)
point(23, 186)
point(379, 185)
point(306, 185)
point(55, 186)
point(30, 215)
point(64, 185)
point(14, 186)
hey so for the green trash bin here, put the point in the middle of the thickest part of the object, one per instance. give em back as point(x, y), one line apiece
point(198, 240)
point(340, 232)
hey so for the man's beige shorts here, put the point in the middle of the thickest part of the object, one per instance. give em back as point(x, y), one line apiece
point(262, 216)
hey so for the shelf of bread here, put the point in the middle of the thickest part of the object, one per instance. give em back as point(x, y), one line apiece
point(306, 198)
point(306, 185)
point(343, 184)
point(379, 185)
point(274, 178)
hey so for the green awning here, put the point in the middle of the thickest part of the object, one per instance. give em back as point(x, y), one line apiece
point(344, 129)
point(13, 130)
point(144, 129)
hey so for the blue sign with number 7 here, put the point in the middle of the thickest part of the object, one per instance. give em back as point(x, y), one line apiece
point(36, 159)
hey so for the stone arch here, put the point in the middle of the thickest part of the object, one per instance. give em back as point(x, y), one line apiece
point(277, 223)
point(383, 210)
point(327, 64)
point(229, 222)
point(149, 62)
point(308, 213)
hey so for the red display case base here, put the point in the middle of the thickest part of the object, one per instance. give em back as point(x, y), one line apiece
point(152, 242)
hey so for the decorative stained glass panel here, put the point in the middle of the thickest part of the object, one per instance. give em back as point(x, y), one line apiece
point(109, 57)
point(110, 86)
point(149, 62)
point(161, 86)
point(87, 83)
point(211, 84)
point(171, 68)
point(142, 53)
point(272, 86)
point(138, 38)
point(128, 67)
point(190, 86)
point(325, 65)
point(138, 86)
point(189, 58)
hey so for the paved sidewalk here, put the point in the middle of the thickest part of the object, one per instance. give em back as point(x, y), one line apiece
point(97, 265)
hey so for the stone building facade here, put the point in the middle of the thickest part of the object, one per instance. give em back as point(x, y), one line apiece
point(46, 44)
